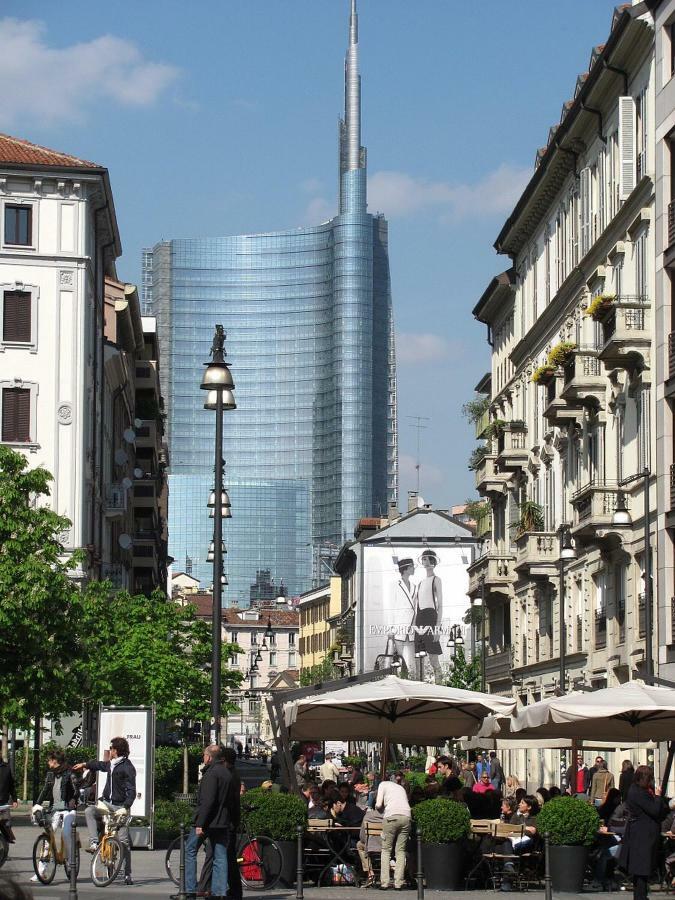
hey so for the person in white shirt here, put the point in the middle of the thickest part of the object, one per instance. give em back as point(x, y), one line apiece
point(329, 771)
point(392, 802)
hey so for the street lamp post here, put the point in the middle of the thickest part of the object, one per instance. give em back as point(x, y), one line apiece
point(623, 517)
point(483, 685)
point(218, 382)
point(566, 551)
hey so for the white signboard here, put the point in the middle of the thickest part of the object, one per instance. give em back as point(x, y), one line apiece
point(412, 596)
point(138, 727)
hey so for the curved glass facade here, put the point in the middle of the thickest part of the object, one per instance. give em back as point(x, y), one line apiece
point(311, 447)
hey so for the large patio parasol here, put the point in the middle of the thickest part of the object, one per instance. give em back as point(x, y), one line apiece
point(633, 712)
point(393, 709)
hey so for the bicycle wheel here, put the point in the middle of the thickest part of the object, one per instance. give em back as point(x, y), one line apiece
point(4, 850)
point(260, 863)
point(44, 860)
point(107, 862)
point(172, 859)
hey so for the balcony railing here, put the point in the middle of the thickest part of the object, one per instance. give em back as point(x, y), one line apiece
point(672, 488)
point(621, 626)
point(671, 354)
point(594, 504)
point(600, 630)
point(498, 665)
point(581, 365)
point(671, 223)
point(482, 424)
point(115, 499)
point(642, 623)
point(537, 548)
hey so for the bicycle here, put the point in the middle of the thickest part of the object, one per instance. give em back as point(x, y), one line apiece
point(47, 855)
point(109, 855)
point(258, 857)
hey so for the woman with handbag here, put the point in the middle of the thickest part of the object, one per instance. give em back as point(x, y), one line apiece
point(646, 810)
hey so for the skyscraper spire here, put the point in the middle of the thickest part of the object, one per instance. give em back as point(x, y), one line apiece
point(352, 154)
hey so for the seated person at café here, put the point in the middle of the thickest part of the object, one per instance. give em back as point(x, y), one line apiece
point(345, 812)
point(369, 845)
point(507, 809)
point(525, 815)
point(483, 785)
point(668, 833)
point(612, 826)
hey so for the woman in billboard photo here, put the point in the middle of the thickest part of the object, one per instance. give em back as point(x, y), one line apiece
point(428, 613)
point(403, 611)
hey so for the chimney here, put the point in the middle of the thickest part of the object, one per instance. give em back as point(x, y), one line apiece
point(413, 500)
point(393, 514)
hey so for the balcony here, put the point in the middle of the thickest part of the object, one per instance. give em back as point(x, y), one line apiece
point(115, 573)
point(498, 665)
point(537, 553)
point(482, 425)
point(115, 500)
point(488, 479)
point(146, 376)
point(626, 333)
point(498, 571)
point(600, 629)
point(583, 379)
point(512, 454)
point(594, 506)
point(484, 524)
point(145, 494)
point(558, 411)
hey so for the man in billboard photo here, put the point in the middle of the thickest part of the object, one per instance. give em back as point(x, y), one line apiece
point(428, 613)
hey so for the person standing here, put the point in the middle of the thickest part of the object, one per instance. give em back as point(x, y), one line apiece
point(119, 793)
point(626, 778)
point(495, 771)
point(403, 613)
point(579, 778)
point(646, 810)
point(7, 794)
point(392, 802)
point(328, 771)
point(601, 783)
point(229, 760)
point(301, 771)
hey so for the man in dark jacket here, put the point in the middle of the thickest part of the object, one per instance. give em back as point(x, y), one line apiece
point(119, 794)
point(214, 819)
point(229, 756)
point(646, 810)
point(7, 794)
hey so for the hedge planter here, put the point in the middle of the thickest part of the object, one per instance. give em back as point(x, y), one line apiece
point(567, 865)
point(442, 866)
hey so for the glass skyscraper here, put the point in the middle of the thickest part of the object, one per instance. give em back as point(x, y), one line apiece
point(312, 446)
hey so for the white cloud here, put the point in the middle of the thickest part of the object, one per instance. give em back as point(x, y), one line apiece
point(50, 84)
point(421, 348)
point(400, 194)
point(318, 210)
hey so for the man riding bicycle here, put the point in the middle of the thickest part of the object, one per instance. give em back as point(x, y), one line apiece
point(119, 793)
point(60, 790)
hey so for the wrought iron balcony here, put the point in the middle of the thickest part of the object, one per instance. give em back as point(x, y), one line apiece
point(583, 378)
point(594, 506)
point(537, 552)
point(489, 480)
point(115, 500)
point(671, 223)
point(626, 334)
point(512, 453)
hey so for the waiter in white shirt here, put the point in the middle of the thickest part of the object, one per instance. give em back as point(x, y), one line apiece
point(392, 802)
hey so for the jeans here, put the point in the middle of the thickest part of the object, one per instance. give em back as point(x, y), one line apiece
point(233, 875)
point(395, 831)
point(92, 816)
point(218, 839)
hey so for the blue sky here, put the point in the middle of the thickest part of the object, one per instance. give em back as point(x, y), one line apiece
point(220, 117)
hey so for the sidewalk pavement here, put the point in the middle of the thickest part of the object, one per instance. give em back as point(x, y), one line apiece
point(150, 880)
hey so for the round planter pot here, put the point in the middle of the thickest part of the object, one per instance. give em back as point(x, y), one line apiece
point(442, 866)
point(567, 868)
point(289, 862)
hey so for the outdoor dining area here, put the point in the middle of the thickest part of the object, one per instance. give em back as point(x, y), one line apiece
point(428, 829)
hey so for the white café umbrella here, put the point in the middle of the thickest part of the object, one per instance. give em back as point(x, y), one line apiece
point(633, 712)
point(393, 709)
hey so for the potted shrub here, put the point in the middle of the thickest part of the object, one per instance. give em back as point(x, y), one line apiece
point(558, 355)
point(543, 374)
point(531, 518)
point(278, 816)
point(444, 824)
point(599, 305)
point(477, 456)
point(474, 409)
point(572, 827)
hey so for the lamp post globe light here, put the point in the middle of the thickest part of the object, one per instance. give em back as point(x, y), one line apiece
point(217, 381)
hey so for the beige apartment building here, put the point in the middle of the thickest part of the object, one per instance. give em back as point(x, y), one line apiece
point(571, 397)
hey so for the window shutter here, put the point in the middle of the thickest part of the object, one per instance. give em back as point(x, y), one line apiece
point(627, 161)
point(585, 203)
point(16, 415)
point(16, 317)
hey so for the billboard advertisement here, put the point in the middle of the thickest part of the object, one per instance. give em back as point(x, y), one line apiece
point(137, 725)
point(412, 596)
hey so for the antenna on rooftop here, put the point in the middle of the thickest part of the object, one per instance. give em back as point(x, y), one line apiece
point(417, 423)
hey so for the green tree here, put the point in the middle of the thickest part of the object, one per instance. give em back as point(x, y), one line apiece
point(323, 671)
point(40, 604)
point(464, 674)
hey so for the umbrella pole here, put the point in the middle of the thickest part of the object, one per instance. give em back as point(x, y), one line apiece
point(385, 758)
point(668, 767)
